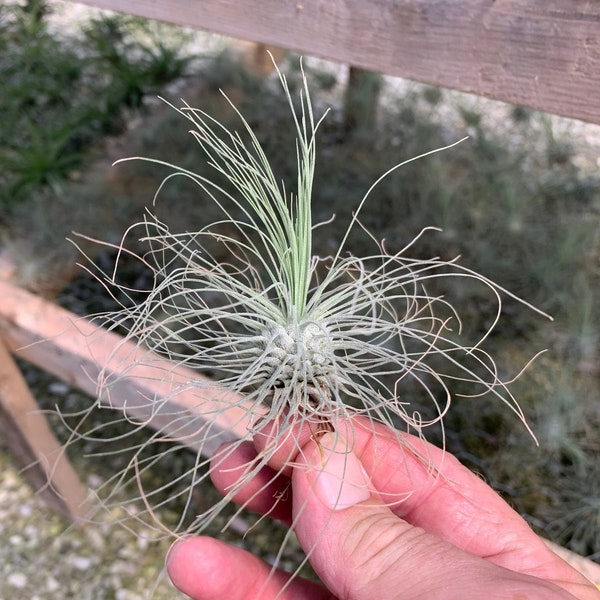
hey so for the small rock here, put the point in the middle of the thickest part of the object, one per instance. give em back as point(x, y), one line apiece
point(17, 580)
point(52, 584)
point(58, 388)
point(82, 563)
point(94, 481)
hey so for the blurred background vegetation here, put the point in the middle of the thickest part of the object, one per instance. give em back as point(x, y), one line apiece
point(519, 201)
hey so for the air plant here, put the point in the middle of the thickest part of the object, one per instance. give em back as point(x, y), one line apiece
point(289, 338)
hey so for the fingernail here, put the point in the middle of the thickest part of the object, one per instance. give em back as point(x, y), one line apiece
point(340, 480)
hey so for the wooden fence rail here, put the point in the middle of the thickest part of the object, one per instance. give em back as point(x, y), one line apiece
point(77, 351)
point(544, 54)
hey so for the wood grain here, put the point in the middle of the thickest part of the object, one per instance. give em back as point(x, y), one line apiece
point(544, 54)
point(25, 431)
point(172, 399)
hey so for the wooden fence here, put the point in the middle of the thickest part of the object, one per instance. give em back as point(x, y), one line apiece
point(77, 351)
point(544, 54)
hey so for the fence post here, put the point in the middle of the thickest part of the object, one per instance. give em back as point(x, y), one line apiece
point(25, 431)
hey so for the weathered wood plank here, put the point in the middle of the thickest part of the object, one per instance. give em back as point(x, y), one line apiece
point(174, 400)
point(544, 54)
point(25, 431)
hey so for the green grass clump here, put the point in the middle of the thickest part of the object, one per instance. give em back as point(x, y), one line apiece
point(60, 94)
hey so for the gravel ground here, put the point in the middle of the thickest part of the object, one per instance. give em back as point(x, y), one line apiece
point(43, 558)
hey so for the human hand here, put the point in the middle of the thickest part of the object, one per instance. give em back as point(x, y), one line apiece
point(398, 527)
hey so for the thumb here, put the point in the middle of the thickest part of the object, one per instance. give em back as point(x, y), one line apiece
point(361, 550)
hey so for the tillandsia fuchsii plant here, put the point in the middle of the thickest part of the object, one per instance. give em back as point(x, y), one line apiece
point(293, 339)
